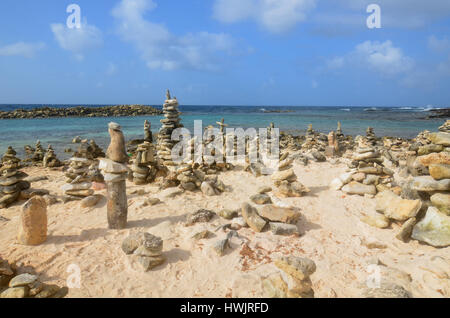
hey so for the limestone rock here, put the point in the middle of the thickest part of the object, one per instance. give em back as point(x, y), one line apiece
point(377, 220)
point(297, 267)
point(283, 228)
point(440, 171)
point(434, 229)
point(252, 218)
point(261, 199)
point(434, 158)
point(22, 280)
point(33, 227)
point(394, 207)
point(17, 292)
point(428, 184)
point(442, 202)
point(117, 149)
point(441, 138)
point(406, 230)
point(387, 291)
point(200, 216)
point(279, 214)
point(359, 188)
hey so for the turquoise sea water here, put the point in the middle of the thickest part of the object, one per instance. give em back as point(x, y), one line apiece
point(401, 122)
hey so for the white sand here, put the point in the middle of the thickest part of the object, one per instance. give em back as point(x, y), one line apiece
point(334, 237)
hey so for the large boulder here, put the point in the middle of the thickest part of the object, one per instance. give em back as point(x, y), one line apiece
point(441, 138)
point(278, 214)
point(434, 229)
point(440, 171)
point(428, 184)
point(442, 202)
point(434, 158)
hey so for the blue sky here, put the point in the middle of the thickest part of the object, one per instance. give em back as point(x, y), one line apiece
point(226, 52)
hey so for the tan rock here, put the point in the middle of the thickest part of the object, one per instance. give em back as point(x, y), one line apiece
point(117, 150)
point(394, 207)
point(297, 267)
point(252, 218)
point(434, 158)
point(277, 214)
point(440, 171)
point(442, 202)
point(33, 227)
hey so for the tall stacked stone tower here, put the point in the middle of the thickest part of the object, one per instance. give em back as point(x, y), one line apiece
point(170, 122)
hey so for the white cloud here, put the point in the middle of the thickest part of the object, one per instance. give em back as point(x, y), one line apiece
point(383, 58)
point(274, 15)
point(438, 45)
point(27, 50)
point(161, 49)
point(111, 70)
point(76, 40)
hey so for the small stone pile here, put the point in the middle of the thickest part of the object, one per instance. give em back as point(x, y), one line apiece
point(169, 124)
point(371, 138)
point(294, 281)
point(285, 180)
point(50, 160)
point(367, 176)
point(144, 166)
point(148, 135)
point(14, 285)
point(11, 182)
point(78, 184)
point(10, 155)
point(95, 150)
point(38, 154)
point(146, 249)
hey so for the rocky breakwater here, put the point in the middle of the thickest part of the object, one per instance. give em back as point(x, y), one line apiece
point(170, 122)
point(11, 179)
point(105, 111)
point(145, 249)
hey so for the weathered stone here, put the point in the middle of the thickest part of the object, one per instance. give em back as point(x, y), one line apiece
point(22, 280)
point(434, 229)
point(17, 292)
point(288, 175)
point(252, 218)
point(80, 193)
point(428, 184)
point(386, 291)
point(261, 199)
point(440, 171)
point(149, 262)
point(228, 214)
point(202, 235)
point(336, 184)
point(33, 226)
point(278, 214)
point(117, 149)
point(275, 287)
point(263, 190)
point(359, 188)
point(394, 207)
point(200, 216)
point(220, 246)
point(365, 155)
point(359, 177)
point(110, 166)
point(208, 189)
point(297, 267)
point(427, 149)
point(441, 138)
point(442, 202)
point(406, 230)
point(149, 241)
point(48, 291)
point(434, 158)
point(91, 201)
point(377, 220)
point(117, 205)
point(283, 228)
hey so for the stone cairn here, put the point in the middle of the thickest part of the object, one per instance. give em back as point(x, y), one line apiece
point(144, 248)
point(144, 167)
point(429, 182)
point(371, 139)
point(14, 285)
point(82, 171)
point(50, 160)
point(315, 143)
point(95, 150)
point(115, 171)
point(38, 154)
point(367, 175)
point(285, 180)
point(148, 135)
point(11, 179)
point(169, 124)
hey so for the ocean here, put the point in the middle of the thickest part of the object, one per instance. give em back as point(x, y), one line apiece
point(404, 122)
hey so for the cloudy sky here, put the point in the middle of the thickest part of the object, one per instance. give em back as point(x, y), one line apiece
point(226, 52)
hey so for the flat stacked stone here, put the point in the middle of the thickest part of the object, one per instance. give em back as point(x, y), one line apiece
point(38, 154)
point(11, 183)
point(371, 138)
point(144, 166)
point(10, 155)
point(170, 122)
point(144, 248)
point(50, 160)
point(78, 184)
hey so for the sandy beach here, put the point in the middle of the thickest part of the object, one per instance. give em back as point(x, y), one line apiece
point(332, 235)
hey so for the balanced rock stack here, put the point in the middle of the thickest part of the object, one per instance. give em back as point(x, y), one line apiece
point(148, 135)
point(169, 124)
point(38, 154)
point(145, 248)
point(50, 159)
point(78, 184)
point(294, 281)
point(371, 139)
point(95, 150)
point(431, 184)
point(115, 171)
point(11, 183)
point(144, 166)
point(285, 180)
point(84, 151)
point(10, 156)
